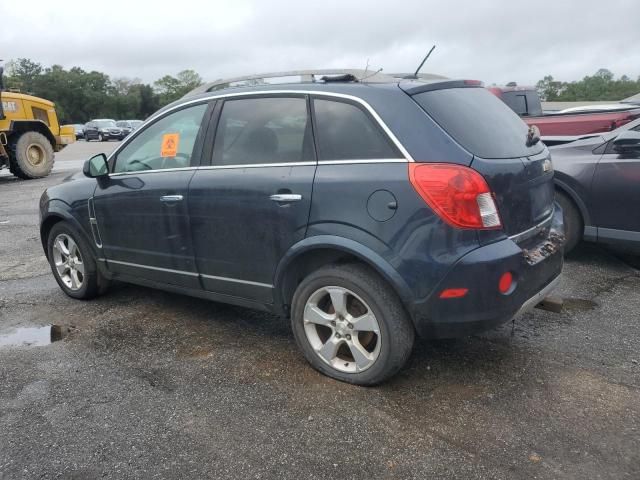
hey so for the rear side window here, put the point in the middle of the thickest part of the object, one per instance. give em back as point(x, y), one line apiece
point(523, 102)
point(478, 121)
point(263, 130)
point(345, 132)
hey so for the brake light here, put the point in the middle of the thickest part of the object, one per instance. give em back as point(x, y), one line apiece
point(458, 194)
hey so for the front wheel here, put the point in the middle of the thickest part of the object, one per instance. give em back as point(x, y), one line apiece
point(73, 263)
point(100, 138)
point(350, 324)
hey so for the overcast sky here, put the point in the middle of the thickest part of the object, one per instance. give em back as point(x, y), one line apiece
point(494, 41)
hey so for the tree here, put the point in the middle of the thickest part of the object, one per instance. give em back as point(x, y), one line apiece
point(600, 86)
point(172, 88)
point(22, 73)
point(548, 88)
point(80, 95)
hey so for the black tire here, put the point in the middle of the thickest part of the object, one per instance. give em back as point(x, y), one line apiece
point(396, 330)
point(93, 283)
point(100, 137)
point(31, 155)
point(573, 223)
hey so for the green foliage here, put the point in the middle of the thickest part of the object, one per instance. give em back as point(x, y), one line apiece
point(172, 88)
point(600, 86)
point(80, 95)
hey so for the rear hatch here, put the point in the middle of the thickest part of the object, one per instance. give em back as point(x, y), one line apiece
point(519, 175)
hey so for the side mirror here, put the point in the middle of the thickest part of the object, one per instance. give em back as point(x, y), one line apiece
point(627, 142)
point(96, 166)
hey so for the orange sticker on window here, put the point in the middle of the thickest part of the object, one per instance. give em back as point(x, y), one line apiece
point(169, 147)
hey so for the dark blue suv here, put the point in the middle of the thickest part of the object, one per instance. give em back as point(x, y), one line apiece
point(365, 212)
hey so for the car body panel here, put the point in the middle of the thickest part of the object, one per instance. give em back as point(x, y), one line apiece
point(239, 233)
point(604, 186)
point(142, 235)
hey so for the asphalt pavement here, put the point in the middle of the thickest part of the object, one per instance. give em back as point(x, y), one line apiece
point(145, 384)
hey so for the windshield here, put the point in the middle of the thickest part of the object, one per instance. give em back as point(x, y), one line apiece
point(479, 121)
point(135, 123)
point(105, 123)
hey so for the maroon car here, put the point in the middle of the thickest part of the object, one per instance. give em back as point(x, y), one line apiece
point(557, 128)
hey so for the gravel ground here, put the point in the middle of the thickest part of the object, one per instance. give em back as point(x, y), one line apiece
point(147, 384)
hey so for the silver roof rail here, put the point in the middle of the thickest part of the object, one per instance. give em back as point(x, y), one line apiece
point(368, 76)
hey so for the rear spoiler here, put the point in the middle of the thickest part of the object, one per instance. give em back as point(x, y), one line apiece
point(414, 88)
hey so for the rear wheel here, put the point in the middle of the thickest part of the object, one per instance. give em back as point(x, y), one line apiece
point(73, 263)
point(573, 223)
point(350, 325)
point(31, 156)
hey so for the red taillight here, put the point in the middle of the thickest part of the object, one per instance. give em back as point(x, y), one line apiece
point(505, 282)
point(458, 194)
point(454, 292)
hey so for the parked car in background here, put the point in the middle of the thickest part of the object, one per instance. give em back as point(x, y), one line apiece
point(423, 218)
point(124, 126)
point(598, 186)
point(79, 129)
point(103, 129)
point(128, 126)
point(562, 127)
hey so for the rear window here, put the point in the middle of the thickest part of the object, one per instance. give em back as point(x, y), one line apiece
point(478, 121)
point(523, 102)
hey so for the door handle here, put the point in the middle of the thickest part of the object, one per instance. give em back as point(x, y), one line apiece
point(171, 198)
point(286, 197)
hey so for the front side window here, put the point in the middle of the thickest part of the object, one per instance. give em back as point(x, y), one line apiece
point(168, 143)
point(263, 130)
point(345, 132)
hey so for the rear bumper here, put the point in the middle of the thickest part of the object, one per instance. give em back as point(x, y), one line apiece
point(535, 264)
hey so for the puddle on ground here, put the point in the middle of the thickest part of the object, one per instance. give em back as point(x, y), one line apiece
point(34, 336)
point(578, 304)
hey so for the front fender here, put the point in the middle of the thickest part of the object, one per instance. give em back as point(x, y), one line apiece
point(60, 211)
point(367, 255)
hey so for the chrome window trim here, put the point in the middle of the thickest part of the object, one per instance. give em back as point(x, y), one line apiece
point(180, 169)
point(208, 98)
point(191, 274)
point(266, 165)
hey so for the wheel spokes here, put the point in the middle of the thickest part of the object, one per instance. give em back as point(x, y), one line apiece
point(61, 247)
point(313, 314)
point(75, 280)
point(329, 350)
point(338, 300)
point(360, 355)
point(365, 323)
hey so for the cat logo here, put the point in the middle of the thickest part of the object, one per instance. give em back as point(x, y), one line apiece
point(10, 106)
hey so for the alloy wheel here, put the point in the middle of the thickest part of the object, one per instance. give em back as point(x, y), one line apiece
point(68, 262)
point(342, 329)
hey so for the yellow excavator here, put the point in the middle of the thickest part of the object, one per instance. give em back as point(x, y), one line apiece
point(30, 134)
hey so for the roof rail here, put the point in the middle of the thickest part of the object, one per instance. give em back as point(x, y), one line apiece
point(370, 76)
